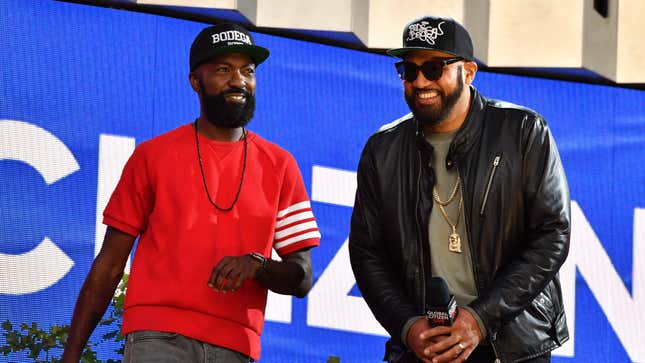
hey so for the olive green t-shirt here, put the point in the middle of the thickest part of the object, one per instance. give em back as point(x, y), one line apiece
point(455, 268)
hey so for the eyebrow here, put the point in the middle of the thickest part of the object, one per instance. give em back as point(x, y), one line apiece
point(231, 64)
point(433, 59)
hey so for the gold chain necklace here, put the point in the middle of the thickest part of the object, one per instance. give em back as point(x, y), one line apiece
point(435, 194)
point(454, 240)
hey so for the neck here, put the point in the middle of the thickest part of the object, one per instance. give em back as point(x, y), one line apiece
point(218, 133)
point(455, 118)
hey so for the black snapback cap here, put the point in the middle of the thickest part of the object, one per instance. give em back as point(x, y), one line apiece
point(435, 33)
point(223, 39)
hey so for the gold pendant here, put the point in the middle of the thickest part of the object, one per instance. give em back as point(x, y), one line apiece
point(455, 242)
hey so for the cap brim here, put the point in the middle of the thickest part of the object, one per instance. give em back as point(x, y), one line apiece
point(258, 54)
point(402, 52)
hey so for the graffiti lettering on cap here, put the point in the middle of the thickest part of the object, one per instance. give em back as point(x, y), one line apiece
point(424, 32)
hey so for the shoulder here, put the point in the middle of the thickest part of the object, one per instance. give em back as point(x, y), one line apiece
point(392, 130)
point(513, 112)
point(518, 123)
point(153, 149)
point(396, 124)
point(169, 140)
point(391, 139)
point(270, 151)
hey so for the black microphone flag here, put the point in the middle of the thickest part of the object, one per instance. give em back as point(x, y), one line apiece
point(442, 307)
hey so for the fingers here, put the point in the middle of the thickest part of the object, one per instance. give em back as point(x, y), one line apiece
point(464, 336)
point(443, 346)
point(436, 331)
point(458, 353)
point(230, 273)
point(422, 336)
point(216, 272)
point(223, 271)
point(229, 281)
point(466, 351)
point(452, 344)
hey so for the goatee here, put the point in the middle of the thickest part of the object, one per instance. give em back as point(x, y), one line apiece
point(430, 116)
point(222, 113)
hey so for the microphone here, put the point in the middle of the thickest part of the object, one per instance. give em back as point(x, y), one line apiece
point(442, 307)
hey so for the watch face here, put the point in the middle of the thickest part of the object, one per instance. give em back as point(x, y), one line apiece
point(258, 257)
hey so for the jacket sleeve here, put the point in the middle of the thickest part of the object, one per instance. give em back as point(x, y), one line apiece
point(370, 262)
point(545, 245)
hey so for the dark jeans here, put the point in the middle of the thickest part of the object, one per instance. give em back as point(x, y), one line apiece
point(482, 354)
point(485, 354)
point(149, 346)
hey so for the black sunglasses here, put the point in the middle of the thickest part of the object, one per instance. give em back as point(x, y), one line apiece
point(431, 69)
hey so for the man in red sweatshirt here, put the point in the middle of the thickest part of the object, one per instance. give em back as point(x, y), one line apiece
point(208, 201)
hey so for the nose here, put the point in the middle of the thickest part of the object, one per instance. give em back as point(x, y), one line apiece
point(237, 80)
point(421, 81)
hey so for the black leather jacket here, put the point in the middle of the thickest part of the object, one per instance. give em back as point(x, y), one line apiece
point(517, 219)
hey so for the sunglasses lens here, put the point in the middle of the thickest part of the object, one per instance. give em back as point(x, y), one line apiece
point(408, 71)
point(400, 69)
point(432, 70)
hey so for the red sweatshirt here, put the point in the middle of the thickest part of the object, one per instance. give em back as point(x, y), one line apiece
point(161, 198)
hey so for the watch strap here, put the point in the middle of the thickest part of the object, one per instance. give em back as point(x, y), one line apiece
point(261, 259)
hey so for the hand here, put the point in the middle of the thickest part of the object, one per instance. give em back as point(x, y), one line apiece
point(459, 340)
point(231, 272)
point(418, 344)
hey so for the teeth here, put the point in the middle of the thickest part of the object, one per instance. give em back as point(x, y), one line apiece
point(236, 97)
point(427, 94)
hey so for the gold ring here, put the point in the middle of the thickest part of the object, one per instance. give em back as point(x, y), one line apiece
point(461, 346)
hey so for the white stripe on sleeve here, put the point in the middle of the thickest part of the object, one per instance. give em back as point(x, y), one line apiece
point(295, 229)
point(294, 218)
point(294, 207)
point(302, 237)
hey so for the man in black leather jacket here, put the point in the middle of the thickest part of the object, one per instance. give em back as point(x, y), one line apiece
point(468, 189)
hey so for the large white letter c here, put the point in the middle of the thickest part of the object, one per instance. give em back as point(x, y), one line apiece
point(44, 265)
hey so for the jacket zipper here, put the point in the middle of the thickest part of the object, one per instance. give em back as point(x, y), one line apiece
point(490, 182)
point(468, 234)
point(497, 360)
point(492, 339)
point(421, 262)
point(462, 189)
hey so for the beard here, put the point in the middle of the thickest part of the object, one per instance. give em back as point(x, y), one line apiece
point(222, 113)
point(431, 116)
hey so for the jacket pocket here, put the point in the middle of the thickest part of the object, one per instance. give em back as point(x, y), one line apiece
point(491, 176)
point(560, 333)
point(544, 307)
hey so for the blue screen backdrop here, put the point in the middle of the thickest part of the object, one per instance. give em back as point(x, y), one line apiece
point(78, 81)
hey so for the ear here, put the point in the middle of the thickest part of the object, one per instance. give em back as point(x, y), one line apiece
point(194, 82)
point(470, 69)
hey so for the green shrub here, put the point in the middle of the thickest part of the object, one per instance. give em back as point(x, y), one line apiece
point(41, 345)
point(37, 342)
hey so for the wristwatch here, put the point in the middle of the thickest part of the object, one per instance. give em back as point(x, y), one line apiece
point(261, 259)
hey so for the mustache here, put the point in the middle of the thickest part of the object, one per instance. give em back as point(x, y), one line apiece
point(417, 90)
point(237, 90)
